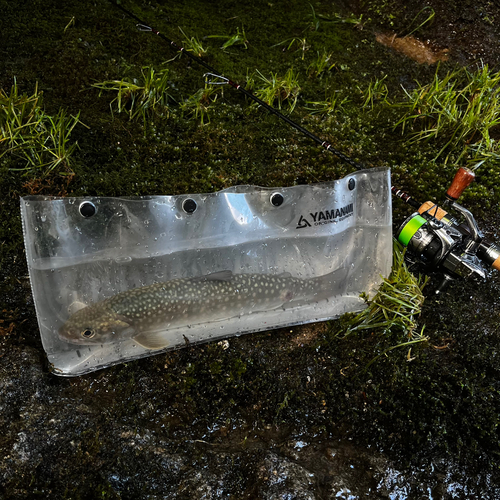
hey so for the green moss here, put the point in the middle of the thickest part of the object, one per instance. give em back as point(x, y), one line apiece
point(268, 386)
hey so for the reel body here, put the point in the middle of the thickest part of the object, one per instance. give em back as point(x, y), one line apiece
point(442, 243)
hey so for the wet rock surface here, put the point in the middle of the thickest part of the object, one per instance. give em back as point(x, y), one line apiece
point(280, 415)
point(123, 434)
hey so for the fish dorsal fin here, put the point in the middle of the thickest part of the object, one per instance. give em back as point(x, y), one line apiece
point(218, 276)
point(152, 340)
point(284, 275)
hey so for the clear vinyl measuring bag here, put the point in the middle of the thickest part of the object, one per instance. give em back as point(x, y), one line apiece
point(116, 279)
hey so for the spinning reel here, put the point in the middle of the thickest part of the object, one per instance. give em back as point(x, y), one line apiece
point(441, 242)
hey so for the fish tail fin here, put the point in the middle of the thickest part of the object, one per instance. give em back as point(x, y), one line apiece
point(331, 284)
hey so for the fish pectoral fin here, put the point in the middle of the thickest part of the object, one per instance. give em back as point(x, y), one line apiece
point(123, 325)
point(218, 276)
point(152, 340)
point(76, 306)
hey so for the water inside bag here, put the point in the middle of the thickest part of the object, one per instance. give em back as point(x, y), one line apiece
point(276, 257)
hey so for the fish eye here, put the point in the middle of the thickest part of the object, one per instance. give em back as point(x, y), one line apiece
point(88, 333)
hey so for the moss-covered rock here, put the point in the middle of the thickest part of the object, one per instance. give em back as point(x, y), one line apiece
point(295, 413)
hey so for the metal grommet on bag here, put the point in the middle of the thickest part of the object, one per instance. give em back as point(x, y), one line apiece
point(87, 209)
point(189, 206)
point(277, 199)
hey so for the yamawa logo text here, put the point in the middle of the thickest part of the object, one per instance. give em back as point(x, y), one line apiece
point(325, 216)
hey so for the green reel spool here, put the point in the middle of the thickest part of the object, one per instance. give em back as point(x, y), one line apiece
point(409, 228)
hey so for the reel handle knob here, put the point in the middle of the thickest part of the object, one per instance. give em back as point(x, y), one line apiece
point(496, 264)
point(462, 179)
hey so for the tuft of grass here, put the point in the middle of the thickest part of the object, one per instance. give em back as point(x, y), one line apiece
point(335, 102)
point(276, 89)
point(323, 62)
point(199, 104)
point(140, 98)
point(395, 308)
point(56, 146)
point(461, 108)
point(193, 44)
point(377, 91)
point(300, 43)
point(28, 133)
point(317, 19)
point(238, 39)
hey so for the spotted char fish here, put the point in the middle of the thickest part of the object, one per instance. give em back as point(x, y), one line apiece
point(145, 313)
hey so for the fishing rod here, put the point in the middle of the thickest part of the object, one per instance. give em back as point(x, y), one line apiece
point(143, 26)
point(436, 239)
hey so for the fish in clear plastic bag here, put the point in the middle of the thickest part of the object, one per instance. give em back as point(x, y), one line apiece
point(143, 314)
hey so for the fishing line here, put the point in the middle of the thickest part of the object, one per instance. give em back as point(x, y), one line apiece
point(143, 26)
